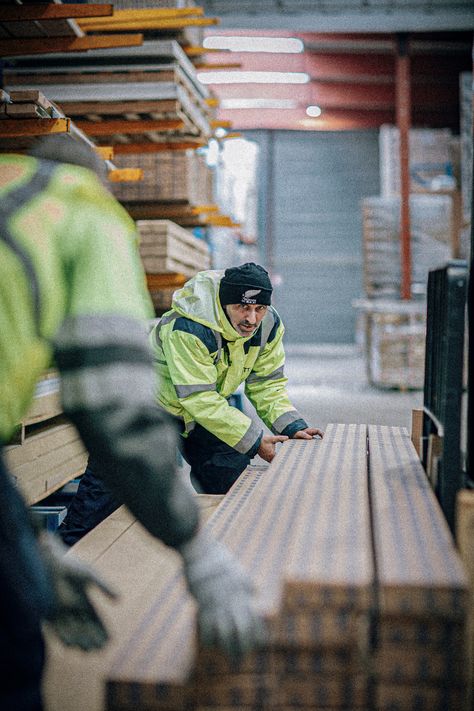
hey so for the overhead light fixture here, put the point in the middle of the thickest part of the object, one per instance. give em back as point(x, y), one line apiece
point(220, 132)
point(258, 104)
point(239, 77)
point(283, 45)
point(314, 111)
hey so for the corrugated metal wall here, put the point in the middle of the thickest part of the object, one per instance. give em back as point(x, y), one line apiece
point(310, 226)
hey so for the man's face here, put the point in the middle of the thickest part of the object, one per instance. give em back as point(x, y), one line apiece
point(245, 318)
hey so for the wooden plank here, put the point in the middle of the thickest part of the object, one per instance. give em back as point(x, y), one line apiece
point(24, 47)
point(165, 281)
point(110, 128)
point(15, 128)
point(52, 11)
point(164, 24)
point(417, 430)
point(419, 571)
point(465, 538)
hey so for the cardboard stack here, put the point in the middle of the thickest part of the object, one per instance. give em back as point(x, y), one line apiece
point(47, 451)
point(420, 656)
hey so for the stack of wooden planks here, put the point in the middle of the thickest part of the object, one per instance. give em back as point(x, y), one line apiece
point(47, 451)
point(354, 570)
point(147, 94)
point(168, 249)
point(27, 103)
point(181, 178)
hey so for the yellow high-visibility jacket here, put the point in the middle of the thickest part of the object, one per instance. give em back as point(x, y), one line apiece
point(202, 360)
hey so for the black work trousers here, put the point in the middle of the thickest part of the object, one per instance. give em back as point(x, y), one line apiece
point(214, 468)
point(25, 598)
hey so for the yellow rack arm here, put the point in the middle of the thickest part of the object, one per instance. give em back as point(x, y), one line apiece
point(105, 152)
point(167, 23)
point(199, 209)
point(221, 124)
point(125, 175)
point(144, 15)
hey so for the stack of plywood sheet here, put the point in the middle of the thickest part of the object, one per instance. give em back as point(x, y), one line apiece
point(420, 654)
point(347, 554)
point(431, 241)
point(47, 451)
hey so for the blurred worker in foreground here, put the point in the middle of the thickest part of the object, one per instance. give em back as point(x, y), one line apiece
point(221, 332)
point(72, 288)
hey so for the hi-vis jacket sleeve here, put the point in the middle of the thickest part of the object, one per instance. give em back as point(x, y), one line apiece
point(265, 387)
point(194, 376)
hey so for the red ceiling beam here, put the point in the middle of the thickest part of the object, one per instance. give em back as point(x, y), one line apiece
point(403, 111)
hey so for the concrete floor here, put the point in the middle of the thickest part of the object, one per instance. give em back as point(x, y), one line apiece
point(328, 383)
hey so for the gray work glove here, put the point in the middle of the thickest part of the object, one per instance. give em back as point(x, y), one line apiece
point(73, 618)
point(224, 596)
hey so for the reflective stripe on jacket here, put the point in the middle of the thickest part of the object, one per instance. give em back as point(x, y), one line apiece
point(202, 360)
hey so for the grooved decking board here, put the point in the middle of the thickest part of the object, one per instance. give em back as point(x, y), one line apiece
point(419, 570)
point(331, 559)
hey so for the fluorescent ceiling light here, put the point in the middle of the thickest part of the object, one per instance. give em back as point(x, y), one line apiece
point(238, 77)
point(314, 111)
point(258, 104)
point(288, 45)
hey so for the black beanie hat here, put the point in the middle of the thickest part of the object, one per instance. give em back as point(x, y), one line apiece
point(247, 284)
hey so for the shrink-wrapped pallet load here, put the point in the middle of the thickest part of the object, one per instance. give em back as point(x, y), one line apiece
point(431, 233)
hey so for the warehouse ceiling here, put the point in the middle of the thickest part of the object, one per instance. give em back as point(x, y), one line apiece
point(349, 59)
point(345, 15)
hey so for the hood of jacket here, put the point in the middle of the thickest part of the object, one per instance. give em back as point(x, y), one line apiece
point(199, 300)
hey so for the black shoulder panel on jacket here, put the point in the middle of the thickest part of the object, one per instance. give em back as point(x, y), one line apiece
point(204, 333)
point(254, 341)
point(274, 330)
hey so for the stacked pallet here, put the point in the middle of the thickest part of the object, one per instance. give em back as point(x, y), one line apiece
point(393, 333)
point(431, 235)
point(46, 451)
point(420, 657)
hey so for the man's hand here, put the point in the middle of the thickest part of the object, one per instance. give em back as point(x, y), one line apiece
point(267, 446)
point(224, 595)
point(308, 433)
point(73, 617)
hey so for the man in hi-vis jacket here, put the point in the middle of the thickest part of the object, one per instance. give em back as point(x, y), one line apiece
point(221, 332)
point(72, 289)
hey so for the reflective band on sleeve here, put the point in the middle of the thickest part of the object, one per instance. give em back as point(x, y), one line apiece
point(108, 386)
point(284, 420)
point(249, 439)
point(276, 375)
point(186, 390)
point(101, 330)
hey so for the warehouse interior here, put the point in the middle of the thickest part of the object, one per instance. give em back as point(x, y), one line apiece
point(330, 142)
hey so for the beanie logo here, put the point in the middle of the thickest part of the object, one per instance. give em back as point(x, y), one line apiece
point(247, 296)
